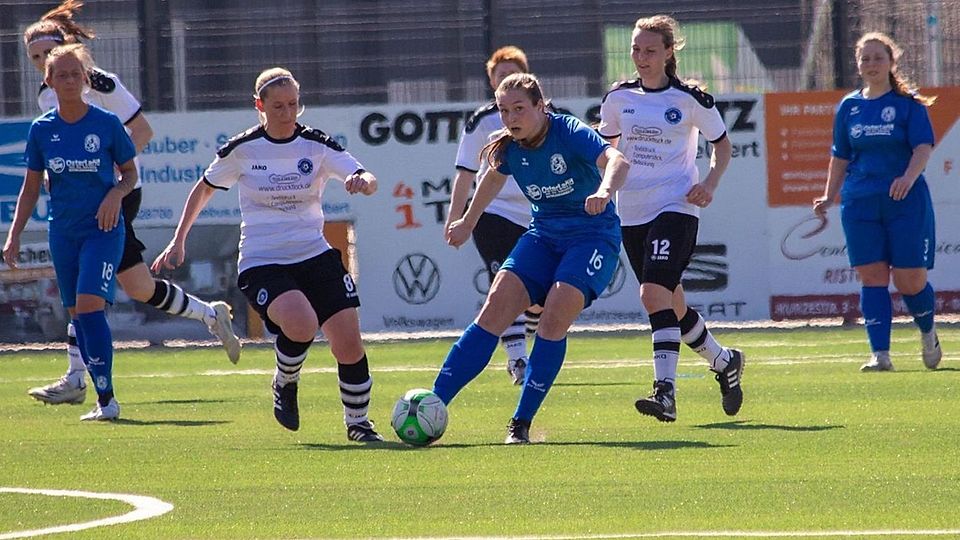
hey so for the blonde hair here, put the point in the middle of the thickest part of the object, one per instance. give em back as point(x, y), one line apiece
point(76, 50)
point(493, 151)
point(899, 82)
point(58, 25)
point(508, 53)
point(272, 78)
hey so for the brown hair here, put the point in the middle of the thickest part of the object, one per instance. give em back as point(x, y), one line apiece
point(669, 30)
point(58, 24)
point(900, 83)
point(508, 54)
point(518, 81)
point(77, 50)
point(271, 78)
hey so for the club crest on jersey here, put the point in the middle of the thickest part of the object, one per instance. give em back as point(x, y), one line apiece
point(305, 166)
point(557, 164)
point(888, 114)
point(262, 297)
point(91, 143)
point(56, 164)
point(673, 115)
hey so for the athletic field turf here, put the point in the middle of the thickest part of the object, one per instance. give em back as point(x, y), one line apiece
point(819, 449)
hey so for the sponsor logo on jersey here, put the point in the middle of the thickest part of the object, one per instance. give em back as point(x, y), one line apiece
point(888, 114)
point(557, 164)
point(305, 166)
point(856, 131)
point(81, 165)
point(536, 192)
point(644, 131)
point(416, 279)
point(871, 130)
point(56, 164)
point(284, 179)
point(673, 115)
point(91, 143)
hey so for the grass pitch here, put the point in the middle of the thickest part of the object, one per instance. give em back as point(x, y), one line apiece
point(817, 447)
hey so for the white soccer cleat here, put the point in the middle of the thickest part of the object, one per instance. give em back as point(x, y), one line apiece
point(69, 389)
point(880, 361)
point(223, 329)
point(110, 411)
point(932, 353)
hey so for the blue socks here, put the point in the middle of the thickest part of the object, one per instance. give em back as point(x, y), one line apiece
point(466, 359)
point(545, 361)
point(96, 344)
point(877, 308)
point(921, 306)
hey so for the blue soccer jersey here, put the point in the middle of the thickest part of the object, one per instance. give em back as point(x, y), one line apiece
point(557, 178)
point(877, 136)
point(79, 159)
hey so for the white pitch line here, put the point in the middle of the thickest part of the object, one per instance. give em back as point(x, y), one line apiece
point(143, 508)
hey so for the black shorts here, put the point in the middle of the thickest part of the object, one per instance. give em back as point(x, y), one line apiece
point(322, 279)
point(132, 246)
point(659, 251)
point(495, 237)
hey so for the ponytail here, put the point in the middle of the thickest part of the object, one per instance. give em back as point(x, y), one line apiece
point(58, 25)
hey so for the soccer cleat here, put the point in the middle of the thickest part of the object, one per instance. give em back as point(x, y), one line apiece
point(729, 379)
point(517, 370)
point(363, 432)
point(64, 390)
point(285, 407)
point(661, 404)
point(518, 432)
point(880, 361)
point(223, 329)
point(101, 413)
point(932, 353)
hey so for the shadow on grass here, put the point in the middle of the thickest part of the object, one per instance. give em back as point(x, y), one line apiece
point(747, 425)
point(178, 423)
point(625, 383)
point(181, 402)
point(635, 445)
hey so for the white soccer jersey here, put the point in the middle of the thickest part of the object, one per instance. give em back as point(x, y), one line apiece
point(658, 132)
point(281, 184)
point(107, 92)
point(479, 129)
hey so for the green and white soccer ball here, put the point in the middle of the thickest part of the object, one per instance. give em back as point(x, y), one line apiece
point(419, 417)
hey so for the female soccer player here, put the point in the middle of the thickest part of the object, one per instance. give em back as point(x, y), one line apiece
point(288, 272)
point(508, 215)
point(655, 121)
point(882, 139)
point(78, 145)
point(105, 90)
point(566, 258)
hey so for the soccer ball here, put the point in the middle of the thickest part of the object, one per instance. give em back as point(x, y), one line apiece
point(419, 417)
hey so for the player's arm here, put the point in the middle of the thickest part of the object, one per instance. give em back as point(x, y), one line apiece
point(140, 131)
point(615, 168)
point(108, 214)
point(836, 172)
point(173, 255)
point(702, 194)
point(490, 184)
point(26, 202)
point(918, 161)
point(460, 192)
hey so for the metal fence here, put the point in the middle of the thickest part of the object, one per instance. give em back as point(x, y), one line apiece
point(196, 55)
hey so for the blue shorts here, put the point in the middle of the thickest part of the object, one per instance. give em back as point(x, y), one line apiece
point(587, 264)
point(87, 263)
point(900, 233)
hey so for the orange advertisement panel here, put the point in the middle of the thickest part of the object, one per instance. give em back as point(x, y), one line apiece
point(799, 133)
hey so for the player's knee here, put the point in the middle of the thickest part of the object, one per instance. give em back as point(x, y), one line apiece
point(347, 350)
point(911, 283)
point(300, 327)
